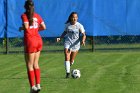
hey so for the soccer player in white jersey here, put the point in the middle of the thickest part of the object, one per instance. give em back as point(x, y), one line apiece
point(71, 35)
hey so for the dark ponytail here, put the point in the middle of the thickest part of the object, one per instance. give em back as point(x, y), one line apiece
point(29, 6)
point(69, 19)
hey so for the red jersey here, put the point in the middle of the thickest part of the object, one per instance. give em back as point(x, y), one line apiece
point(32, 39)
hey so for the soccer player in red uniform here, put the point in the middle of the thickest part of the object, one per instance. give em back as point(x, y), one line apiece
point(32, 23)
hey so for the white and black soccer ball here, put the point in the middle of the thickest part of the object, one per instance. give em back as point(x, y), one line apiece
point(75, 73)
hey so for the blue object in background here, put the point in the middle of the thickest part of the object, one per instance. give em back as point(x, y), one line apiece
point(2, 18)
point(99, 17)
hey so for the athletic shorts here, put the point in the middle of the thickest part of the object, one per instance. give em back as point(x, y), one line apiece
point(33, 44)
point(72, 47)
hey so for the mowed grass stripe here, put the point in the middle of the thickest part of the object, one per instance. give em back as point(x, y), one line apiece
point(13, 65)
point(114, 73)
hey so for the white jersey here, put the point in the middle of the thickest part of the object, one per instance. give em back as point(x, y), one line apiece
point(71, 39)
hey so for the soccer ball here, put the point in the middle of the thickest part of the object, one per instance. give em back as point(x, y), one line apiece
point(75, 73)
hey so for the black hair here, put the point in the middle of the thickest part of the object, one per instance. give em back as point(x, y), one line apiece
point(29, 6)
point(69, 18)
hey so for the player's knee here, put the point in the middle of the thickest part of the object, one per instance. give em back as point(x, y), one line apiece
point(30, 66)
point(36, 66)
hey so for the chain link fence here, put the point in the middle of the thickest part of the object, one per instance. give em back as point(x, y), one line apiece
point(96, 43)
point(116, 43)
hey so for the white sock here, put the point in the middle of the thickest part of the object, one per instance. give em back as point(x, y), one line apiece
point(38, 86)
point(72, 62)
point(67, 66)
point(34, 88)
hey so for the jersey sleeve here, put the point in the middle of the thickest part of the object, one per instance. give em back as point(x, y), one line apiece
point(82, 30)
point(24, 18)
point(40, 20)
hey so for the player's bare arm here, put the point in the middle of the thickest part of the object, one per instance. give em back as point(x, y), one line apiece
point(63, 34)
point(22, 28)
point(83, 38)
point(42, 27)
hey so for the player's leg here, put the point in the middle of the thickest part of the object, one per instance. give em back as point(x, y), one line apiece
point(72, 57)
point(37, 70)
point(30, 70)
point(67, 53)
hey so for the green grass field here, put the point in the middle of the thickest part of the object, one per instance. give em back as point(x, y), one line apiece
point(111, 72)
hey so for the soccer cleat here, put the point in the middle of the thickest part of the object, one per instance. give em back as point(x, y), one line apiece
point(33, 89)
point(71, 63)
point(67, 75)
point(38, 87)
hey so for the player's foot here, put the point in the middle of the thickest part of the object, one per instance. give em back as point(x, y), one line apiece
point(71, 63)
point(67, 75)
point(33, 89)
point(38, 87)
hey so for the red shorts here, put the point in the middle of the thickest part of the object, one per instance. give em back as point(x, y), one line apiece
point(33, 44)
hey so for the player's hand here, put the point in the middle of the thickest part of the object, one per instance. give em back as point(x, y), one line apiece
point(83, 43)
point(58, 39)
point(21, 28)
